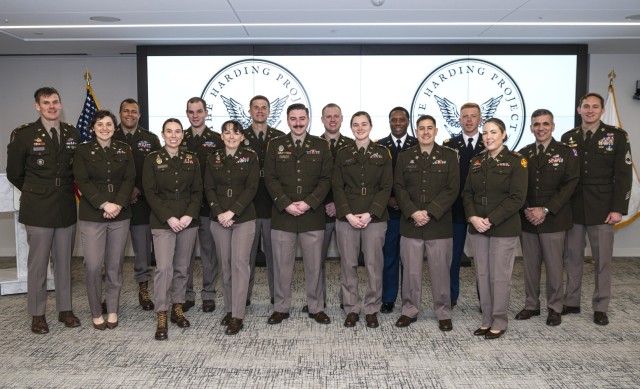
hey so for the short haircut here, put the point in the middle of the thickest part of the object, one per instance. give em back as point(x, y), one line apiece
point(237, 127)
point(399, 109)
point(541, 112)
point(425, 117)
point(101, 114)
point(171, 120)
point(361, 113)
point(128, 101)
point(259, 97)
point(583, 98)
point(297, 106)
point(195, 100)
point(331, 105)
point(46, 92)
point(470, 105)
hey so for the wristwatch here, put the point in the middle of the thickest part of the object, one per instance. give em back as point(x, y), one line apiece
point(545, 210)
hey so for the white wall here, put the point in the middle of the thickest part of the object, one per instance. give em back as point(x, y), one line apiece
point(115, 79)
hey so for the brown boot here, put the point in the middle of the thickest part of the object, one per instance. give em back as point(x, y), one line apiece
point(161, 331)
point(177, 316)
point(143, 296)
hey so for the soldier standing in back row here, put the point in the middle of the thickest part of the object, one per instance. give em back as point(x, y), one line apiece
point(39, 163)
point(142, 142)
point(600, 200)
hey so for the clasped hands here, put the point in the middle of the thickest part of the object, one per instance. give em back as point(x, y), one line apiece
point(297, 208)
point(178, 225)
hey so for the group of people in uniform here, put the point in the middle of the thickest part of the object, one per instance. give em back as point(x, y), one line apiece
point(249, 191)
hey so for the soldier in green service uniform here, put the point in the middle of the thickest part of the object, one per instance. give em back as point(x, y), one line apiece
point(173, 187)
point(39, 163)
point(546, 216)
point(426, 186)
point(361, 182)
point(297, 171)
point(105, 174)
point(230, 183)
point(202, 141)
point(495, 190)
point(600, 199)
point(142, 142)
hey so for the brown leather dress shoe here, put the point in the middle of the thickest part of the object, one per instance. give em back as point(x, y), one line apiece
point(235, 325)
point(320, 317)
point(143, 297)
point(553, 318)
point(600, 318)
point(39, 325)
point(372, 320)
point(69, 319)
point(481, 331)
point(226, 319)
point(177, 316)
point(99, 326)
point(111, 325)
point(527, 314)
point(445, 325)
point(351, 319)
point(208, 305)
point(277, 317)
point(405, 321)
point(566, 309)
point(493, 335)
point(162, 330)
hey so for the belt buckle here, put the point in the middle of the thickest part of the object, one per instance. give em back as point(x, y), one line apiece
point(484, 201)
point(110, 188)
point(299, 189)
point(363, 191)
point(229, 192)
point(262, 173)
point(58, 181)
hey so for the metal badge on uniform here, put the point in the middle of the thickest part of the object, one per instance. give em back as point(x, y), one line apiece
point(523, 162)
point(40, 162)
point(246, 142)
point(281, 148)
point(572, 143)
point(158, 160)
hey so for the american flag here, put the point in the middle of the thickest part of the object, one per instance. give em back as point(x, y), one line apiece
point(84, 121)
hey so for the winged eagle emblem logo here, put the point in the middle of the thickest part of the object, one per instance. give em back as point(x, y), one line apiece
point(451, 114)
point(237, 112)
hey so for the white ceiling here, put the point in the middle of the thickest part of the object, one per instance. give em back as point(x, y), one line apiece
point(29, 27)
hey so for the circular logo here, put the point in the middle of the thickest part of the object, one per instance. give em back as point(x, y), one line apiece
point(229, 91)
point(40, 162)
point(470, 80)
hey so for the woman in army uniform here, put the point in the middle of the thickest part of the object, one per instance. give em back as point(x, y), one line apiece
point(362, 181)
point(231, 182)
point(173, 187)
point(494, 192)
point(105, 174)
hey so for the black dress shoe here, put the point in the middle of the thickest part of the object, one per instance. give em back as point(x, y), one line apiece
point(272, 301)
point(104, 307)
point(69, 319)
point(527, 314)
point(481, 331)
point(277, 317)
point(553, 318)
point(445, 325)
point(39, 325)
point(188, 304)
point(341, 306)
point(100, 326)
point(493, 335)
point(454, 303)
point(351, 319)
point(320, 317)
point(226, 319)
point(566, 309)
point(600, 318)
point(305, 309)
point(208, 305)
point(405, 321)
point(386, 308)
point(372, 320)
point(235, 325)
point(247, 303)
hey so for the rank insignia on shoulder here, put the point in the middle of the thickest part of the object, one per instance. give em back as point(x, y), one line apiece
point(523, 162)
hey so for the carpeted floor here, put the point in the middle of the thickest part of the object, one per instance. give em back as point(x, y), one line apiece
point(303, 354)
